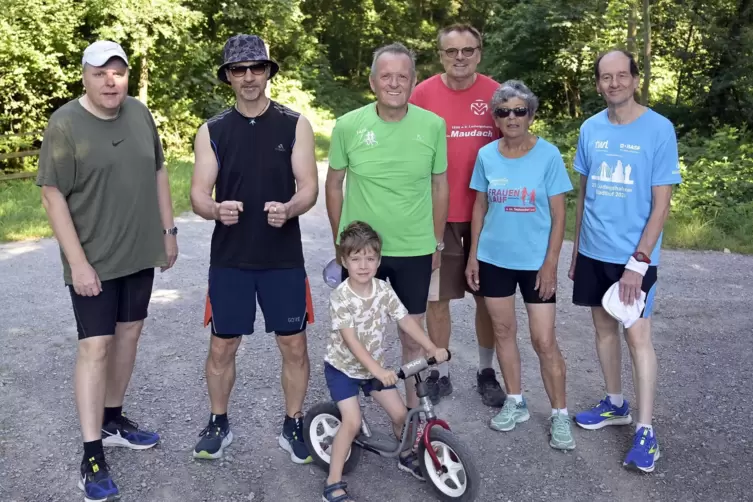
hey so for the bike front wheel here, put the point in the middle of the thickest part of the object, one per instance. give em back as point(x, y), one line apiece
point(320, 426)
point(457, 478)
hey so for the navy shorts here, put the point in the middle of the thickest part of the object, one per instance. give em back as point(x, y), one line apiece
point(342, 387)
point(283, 294)
point(593, 278)
point(409, 276)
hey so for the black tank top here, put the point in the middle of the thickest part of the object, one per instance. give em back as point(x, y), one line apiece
point(253, 156)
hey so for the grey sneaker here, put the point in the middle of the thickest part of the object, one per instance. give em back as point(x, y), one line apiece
point(561, 432)
point(511, 414)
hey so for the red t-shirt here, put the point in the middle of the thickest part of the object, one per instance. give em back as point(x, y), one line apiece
point(470, 126)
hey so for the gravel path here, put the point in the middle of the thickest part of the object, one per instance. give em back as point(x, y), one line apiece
point(702, 335)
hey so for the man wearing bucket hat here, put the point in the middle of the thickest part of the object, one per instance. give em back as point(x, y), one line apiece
point(112, 217)
point(257, 157)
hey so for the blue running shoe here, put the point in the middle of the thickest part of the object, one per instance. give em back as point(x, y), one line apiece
point(126, 433)
point(291, 440)
point(645, 451)
point(603, 414)
point(96, 482)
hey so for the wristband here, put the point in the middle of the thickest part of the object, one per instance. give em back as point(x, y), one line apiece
point(637, 266)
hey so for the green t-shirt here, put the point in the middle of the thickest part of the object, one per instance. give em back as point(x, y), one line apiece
point(106, 170)
point(389, 169)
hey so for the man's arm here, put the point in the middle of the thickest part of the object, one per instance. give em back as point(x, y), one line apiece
point(334, 195)
point(660, 201)
point(440, 199)
point(205, 171)
point(165, 199)
point(61, 222)
point(303, 159)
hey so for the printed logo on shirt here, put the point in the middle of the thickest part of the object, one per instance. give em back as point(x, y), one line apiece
point(369, 138)
point(479, 107)
point(613, 180)
point(516, 200)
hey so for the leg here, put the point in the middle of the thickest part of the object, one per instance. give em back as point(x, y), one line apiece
point(91, 384)
point(285, 300)
point(486, 379)
point(350, 425)
point(121, 360)
point(643, 356)
point(608, 348)
point(389, 399)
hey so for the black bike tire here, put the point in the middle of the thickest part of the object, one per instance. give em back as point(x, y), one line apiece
point(472, 474)
point(328, 408)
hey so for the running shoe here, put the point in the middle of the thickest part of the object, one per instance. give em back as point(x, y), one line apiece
point(408, 462)
point(214, 439)
point(645, 451)
point(291, 440)
point(489, 388)
point(126, 433)
point(512, 413)
point(561, 432)
point(603, 414)
point(96, 482)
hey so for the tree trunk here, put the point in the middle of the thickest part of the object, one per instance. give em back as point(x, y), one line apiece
point(144, 77)
point(646, 52)
point(631, 27)
point(685, 58)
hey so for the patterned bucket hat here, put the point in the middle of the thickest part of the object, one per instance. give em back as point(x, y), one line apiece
point(245, 48)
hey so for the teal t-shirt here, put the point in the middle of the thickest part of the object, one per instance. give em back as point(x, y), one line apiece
point(389, 172)
point(516, 229)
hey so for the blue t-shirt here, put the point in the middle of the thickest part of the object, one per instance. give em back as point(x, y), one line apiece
point(516, 229)
point(623, 163)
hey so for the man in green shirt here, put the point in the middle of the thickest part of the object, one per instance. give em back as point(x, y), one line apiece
point(107, 197)
point(395, 156)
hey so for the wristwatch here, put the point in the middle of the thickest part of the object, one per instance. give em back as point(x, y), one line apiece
point(440, 246)
point(170, 231)
point(642, 257)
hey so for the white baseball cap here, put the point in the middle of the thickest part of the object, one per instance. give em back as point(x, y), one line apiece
point(98, 53)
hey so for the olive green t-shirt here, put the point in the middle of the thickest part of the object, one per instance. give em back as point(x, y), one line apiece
point(389, 172)
point(106, 170)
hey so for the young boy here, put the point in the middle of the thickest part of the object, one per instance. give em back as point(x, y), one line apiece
point(361, 308)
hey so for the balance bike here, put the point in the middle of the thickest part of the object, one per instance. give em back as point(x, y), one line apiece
point(444, 460)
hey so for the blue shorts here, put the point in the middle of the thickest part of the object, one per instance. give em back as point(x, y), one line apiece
point(342, 387)
point(284, 297)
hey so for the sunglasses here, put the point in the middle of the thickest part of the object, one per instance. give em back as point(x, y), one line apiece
point(240, 70)
point(505, 112)
point(467, 51)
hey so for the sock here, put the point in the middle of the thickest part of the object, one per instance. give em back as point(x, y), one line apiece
point(616, 399)
point(485, 357)
point(561, 411)
point(647, 426)
point(220, 420)
point(112, 414)
point(444, 369)
point(93, 449)
point(518, 397)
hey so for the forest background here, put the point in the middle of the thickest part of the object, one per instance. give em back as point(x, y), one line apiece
point(696, 61)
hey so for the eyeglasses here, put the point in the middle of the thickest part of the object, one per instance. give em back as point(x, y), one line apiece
point(505, 112)
point(240, 70)
point(467, 51)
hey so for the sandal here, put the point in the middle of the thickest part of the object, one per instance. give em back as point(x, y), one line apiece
point(330, 489)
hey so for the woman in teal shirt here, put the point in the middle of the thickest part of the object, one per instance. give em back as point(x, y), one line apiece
point(516, 235)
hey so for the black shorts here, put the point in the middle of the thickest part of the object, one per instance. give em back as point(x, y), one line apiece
point(283, 294)
point(125, 299)
point(409, 276)
point(498, 282)
point(593, 278)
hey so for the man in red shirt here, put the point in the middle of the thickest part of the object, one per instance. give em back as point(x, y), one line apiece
point(461, 97)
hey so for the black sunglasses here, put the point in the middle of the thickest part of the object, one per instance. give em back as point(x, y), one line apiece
point(467, 51)
point(505, 112)
point(240, 70)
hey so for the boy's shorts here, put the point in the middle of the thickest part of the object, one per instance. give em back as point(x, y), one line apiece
point(342, 387)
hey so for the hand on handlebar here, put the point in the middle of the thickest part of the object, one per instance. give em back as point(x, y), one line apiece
point(387, 377)
point(440, 355)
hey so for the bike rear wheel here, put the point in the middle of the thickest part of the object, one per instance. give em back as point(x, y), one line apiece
point(457, 479)
point(319, 428)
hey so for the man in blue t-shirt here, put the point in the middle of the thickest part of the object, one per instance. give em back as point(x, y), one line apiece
point(628, 161)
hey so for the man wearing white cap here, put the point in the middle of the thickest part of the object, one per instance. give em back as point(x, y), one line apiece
point(107, 197)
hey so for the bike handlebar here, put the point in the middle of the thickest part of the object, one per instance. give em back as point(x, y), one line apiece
point(409, 369)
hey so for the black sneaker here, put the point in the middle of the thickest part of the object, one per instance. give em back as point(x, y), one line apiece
point(96, 482)
point(489, 388)
point(291, 440)
point(126, 433)
point(445, 386)
point(432, 384)
point(214, 439)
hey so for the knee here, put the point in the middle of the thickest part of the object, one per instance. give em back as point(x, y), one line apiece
point(638, 338)
point(94, 349)
point(294, 349)
point(504, 329)
point(351, 423)
point(222, 351)
point(129, 331)
point(545, 346)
